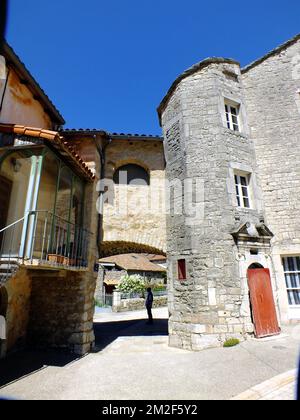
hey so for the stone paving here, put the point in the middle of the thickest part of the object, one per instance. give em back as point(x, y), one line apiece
point(281, 387)
point(132, 361)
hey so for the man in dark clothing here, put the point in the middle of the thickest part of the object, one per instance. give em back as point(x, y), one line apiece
point(149, 303)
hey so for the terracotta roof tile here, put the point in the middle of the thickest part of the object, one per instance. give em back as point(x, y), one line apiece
point(57, 140)
point(133, 262)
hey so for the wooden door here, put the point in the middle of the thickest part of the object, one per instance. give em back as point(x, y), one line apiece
point(5, 192)
point(262, 301)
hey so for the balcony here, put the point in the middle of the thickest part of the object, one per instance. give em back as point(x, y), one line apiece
point(43, 240)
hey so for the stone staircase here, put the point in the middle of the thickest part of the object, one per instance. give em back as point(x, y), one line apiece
point(8, 269)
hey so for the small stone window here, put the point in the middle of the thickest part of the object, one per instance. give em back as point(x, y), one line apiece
point(131, 175)
point(242, 190)
point(181, 270)
point(232, 111)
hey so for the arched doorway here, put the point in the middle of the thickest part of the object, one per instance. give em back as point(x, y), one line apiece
point(262, 301)
point(3, 311)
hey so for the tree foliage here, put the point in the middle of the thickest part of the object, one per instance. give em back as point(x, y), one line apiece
point(132, 284)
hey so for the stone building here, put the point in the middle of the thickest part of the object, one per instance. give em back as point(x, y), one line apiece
point(152, 268)
point(218, 194)
point(47, 229)
point(131, 202)
point(234, 268)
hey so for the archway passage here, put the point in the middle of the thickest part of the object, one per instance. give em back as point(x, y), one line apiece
point(262, 303)
point(109, 249)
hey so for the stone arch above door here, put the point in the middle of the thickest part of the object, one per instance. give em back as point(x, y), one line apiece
point(255, 266)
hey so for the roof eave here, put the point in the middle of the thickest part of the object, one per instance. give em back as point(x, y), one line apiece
point(24, 74)
point(272, 53)
point(194, 69)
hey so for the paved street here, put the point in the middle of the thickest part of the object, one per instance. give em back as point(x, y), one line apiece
point(133, 361)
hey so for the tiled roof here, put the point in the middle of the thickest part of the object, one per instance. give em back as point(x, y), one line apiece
point(136, 136)
point(67, 131)
point(57, 141)
point(91, 131)
point(157, 258)
point(133, 262)
point(25, 75)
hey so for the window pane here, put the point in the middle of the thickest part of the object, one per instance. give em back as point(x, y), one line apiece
point(233, 111)
point(64, 194)
point(292, 278)
point(294, 297)
point(234, 120)
point(245, 192)
point(48, 183)
point(244, 181)
point(298, 263)
point(246, 203)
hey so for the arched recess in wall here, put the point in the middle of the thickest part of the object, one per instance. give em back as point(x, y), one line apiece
point(255, 266)
point(131, 174)
point(108, 249)
point(3, 301)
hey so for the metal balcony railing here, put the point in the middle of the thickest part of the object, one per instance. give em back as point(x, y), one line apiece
point(42, 238)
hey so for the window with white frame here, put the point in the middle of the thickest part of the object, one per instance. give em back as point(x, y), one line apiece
point(232, 116)
point(242, 188)
point(291, 267)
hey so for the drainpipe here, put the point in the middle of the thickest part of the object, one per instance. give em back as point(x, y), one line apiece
point(4, 91)
point(101, 151)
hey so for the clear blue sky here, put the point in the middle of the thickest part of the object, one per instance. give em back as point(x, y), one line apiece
point(108, 64)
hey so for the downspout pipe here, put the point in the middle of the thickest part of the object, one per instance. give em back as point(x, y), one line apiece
point(102, 153)
point(4, 90)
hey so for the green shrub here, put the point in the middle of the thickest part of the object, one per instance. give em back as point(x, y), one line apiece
point(231, 342)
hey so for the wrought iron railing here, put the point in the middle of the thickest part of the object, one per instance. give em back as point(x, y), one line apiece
point(40, 238)
point(9, 249)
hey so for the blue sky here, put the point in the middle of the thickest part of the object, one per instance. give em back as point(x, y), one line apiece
point(108, 64)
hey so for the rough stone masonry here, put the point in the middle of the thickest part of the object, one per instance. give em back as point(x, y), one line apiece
point(212, 303)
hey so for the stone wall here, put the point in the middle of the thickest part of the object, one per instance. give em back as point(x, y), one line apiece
point(18, 310)
point(208, 307)
point(19, 105)
point(62, 309)
point(141, 220)
point(139, 304)
point(273, 103)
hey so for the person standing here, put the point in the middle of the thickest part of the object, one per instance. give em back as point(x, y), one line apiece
point(149, 304)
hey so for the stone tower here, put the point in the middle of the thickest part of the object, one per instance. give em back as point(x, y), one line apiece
point(209, 252)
